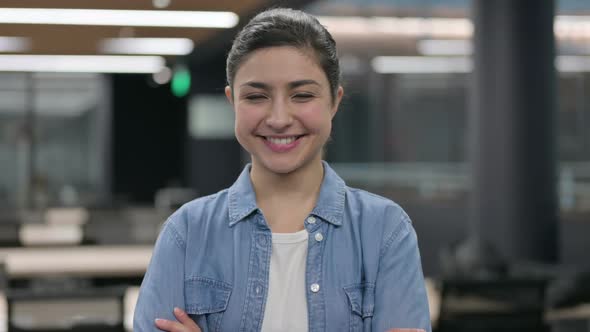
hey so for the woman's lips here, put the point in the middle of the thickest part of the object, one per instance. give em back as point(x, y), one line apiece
point(283, 143)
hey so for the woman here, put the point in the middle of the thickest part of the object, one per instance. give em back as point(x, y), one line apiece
point(288, 247)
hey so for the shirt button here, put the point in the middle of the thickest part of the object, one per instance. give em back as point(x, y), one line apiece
point(311, 220)
point(262, 240)
point(315, 288)
point(319, 237)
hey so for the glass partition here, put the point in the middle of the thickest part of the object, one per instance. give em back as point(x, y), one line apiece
point(53, 139)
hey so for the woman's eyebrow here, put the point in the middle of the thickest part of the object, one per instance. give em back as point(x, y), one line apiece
point(291, 85)
point(257, 85)
point(296, 84)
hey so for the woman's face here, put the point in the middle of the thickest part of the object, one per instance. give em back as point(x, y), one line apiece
point(283, 107)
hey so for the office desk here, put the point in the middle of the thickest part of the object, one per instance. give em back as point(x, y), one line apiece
point(79, 261)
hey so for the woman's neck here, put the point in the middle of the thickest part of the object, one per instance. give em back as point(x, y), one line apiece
point(286, 199)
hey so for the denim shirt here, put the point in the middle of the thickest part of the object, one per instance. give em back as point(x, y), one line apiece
point(212, 258)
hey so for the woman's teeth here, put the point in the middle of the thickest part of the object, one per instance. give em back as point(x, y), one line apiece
point(282, 140)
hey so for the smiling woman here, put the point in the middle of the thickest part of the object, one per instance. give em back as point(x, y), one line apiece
point(284, 109)
point(288, 247)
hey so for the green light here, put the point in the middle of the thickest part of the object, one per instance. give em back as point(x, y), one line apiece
point(181, 81)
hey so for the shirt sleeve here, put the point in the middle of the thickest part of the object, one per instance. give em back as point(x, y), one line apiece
point(400, 291)
point(162, 288)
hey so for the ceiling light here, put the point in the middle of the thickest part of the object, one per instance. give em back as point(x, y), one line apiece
point(419, 64)
point(440, 47)
point(438, 65)
point(163, 76)
point(15, 44)
point(153, 18)
point(444, 47)
point(572, 27)
point(163, 46)
point(565, 27)
point(573, 63)
point(161, 3)
point(81, 63)
point(399, 26)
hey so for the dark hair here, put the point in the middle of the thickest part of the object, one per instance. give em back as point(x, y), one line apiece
point(286, 27)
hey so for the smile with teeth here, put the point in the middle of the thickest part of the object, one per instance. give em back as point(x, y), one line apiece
point(281, 140)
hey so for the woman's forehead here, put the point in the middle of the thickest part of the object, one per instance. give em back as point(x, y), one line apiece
point(279, 65)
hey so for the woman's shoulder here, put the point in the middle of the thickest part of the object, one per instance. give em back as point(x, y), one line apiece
point(198, 205)
point(198, 211)
point(366, 199)
point(370, 210)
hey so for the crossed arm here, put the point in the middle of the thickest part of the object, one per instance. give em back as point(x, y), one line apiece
point(186, 324)
point(397, 270)
point(183, 324)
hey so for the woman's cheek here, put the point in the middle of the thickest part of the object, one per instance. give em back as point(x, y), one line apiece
point(248, 114)
point(315, 116)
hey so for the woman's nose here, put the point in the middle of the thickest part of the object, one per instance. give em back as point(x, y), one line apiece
point(279, 116)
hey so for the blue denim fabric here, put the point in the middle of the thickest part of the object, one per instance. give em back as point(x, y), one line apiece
point(212, 259)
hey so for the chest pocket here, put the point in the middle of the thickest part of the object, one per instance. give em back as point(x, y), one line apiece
point(361, 298)
point(206, 301)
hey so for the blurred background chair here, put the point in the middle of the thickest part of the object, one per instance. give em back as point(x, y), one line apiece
point(72, 310)
point(492, 305)
point(568, 303)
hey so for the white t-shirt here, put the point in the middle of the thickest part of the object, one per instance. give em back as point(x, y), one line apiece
point(286, 304)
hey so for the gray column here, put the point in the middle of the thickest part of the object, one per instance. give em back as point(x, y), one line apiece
point(512, 144)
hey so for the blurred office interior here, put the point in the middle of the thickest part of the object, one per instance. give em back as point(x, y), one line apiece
point(472, 115)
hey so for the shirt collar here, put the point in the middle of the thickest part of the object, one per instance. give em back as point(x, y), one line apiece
point(329, 207)
point(241, 196)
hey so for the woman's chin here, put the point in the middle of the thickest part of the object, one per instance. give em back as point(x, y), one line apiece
point(282, 166)
point(287, 163)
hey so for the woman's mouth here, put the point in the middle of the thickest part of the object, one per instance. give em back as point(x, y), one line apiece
point(282, 144)
point(281, 140)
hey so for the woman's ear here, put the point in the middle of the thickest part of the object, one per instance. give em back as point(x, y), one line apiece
point(229, 94)
point(339, 94)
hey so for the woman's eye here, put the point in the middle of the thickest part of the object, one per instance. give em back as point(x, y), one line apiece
point(255, 97)
point(303, 96)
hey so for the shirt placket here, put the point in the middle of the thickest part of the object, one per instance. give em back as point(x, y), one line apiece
point(314, 277)
point(258, 266)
